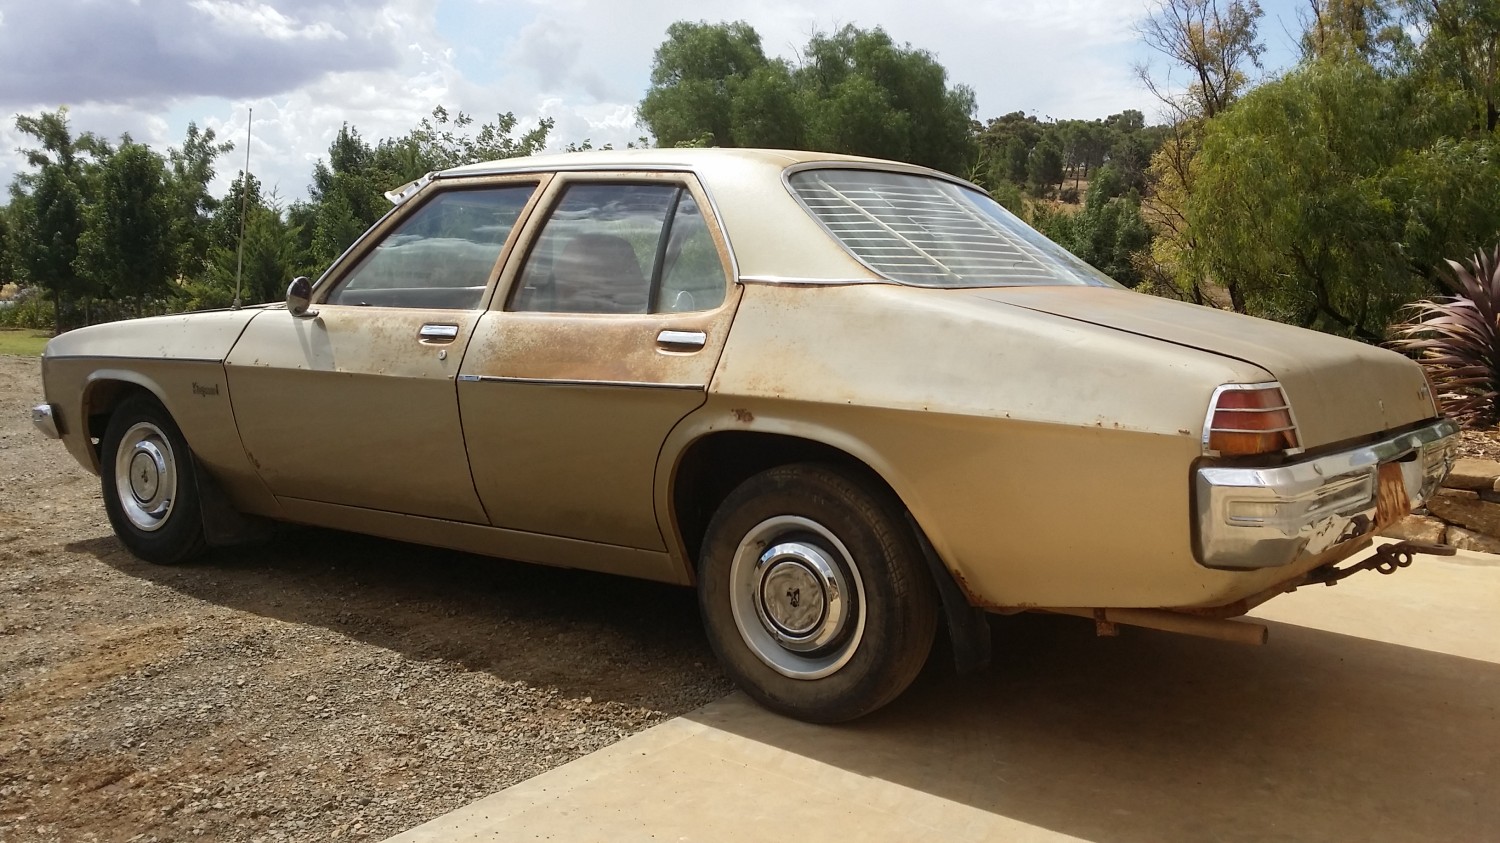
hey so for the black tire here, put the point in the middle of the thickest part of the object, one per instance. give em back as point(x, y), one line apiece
point(860, 669)
point(166, 529)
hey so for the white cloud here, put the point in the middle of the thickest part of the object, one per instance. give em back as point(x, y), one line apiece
point(265, 20)
point(308, 66)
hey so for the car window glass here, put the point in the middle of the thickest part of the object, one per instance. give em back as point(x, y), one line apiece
point(930, 232)
point(598, 250)
point(692, 277)
point(442, 255)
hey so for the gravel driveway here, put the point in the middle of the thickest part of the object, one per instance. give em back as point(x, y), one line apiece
point(320, 686)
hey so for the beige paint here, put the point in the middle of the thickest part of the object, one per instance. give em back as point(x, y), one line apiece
point(567, 418)
point(1339, 389)
point(167, 356)
point(1027, 430)
point(491, 541)
point(351, 407)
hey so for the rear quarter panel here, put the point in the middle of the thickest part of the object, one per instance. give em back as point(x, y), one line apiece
point(1049, 461)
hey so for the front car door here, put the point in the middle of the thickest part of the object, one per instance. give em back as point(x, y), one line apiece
point(357, 406)
point(609, 335)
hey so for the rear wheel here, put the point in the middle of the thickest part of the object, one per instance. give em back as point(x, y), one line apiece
point(814, 593)
point(149, 486)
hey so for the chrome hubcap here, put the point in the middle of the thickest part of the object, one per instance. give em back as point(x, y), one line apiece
point(796, 597)
point(145, 476)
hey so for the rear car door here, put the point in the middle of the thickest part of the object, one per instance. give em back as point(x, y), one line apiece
point(609, 335)
point(356, 405)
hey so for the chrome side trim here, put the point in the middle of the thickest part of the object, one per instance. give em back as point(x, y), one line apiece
point(138, 357)
point(811, 282)
point(44, 416)
point(1268, 517)
point(574, 382)
point(479, 170)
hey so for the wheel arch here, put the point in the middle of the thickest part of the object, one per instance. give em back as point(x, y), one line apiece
point(708, 456)
point(711, 462)
point(104, 391)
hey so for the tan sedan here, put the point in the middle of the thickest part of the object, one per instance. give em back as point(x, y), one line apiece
point(848, 399)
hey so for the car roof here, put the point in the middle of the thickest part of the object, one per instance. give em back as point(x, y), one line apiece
point(703, 160)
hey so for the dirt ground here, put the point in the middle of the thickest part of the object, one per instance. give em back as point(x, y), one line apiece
point(321, 686)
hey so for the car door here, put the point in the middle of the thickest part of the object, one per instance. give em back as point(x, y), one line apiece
point(609, 335)
point(356, 405)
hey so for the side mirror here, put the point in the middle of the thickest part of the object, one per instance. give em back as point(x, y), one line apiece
point(299, 297)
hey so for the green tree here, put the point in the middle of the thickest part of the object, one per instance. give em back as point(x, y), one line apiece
point(696, 75)
point(444, 140)
point(1332, 194)
point(767, 111)
point(192, 205)
point(1016, 161)
point(47, 206)
point(931, 121)
point(1045, 167)
point(7, 247)
point(126, 246)
point(347, 194)
point(856, 91)
point(265, 257)
point(1458, 47)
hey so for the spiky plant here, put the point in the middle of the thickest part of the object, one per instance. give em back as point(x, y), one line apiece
point(1457, 339)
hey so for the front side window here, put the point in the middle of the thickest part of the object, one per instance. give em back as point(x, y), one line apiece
point(934, 233)
point(442, 255)
point(622, 249)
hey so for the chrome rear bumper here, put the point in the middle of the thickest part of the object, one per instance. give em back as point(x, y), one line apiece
point(1267, 517)
point(45, 419)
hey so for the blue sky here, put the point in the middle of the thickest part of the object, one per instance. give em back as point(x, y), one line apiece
point(308, 66)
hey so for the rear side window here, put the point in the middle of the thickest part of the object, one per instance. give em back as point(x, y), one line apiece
point(614, 248)
point(934, 233)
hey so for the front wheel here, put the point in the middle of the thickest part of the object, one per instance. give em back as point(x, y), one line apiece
point(149, 486)
point(814, 593)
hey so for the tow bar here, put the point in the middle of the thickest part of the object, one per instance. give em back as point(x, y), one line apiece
point(1386, 559)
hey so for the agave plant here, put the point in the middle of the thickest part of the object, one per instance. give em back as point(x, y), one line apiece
point(1457, 340)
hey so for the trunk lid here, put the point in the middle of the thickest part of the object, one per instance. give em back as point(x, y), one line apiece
point(1339, 389)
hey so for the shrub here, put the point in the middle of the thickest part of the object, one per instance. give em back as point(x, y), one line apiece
point(28, 308)
point(1457, 339)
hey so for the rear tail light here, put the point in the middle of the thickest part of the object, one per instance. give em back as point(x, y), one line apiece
point(1247, 419)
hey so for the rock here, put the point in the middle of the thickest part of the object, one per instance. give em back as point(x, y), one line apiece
point(1417, 528)
point(1473, 475)
point(1469, 540)
point(1466, 510)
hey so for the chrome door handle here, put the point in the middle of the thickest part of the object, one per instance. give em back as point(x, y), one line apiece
point(433, 332)
point(682, 339)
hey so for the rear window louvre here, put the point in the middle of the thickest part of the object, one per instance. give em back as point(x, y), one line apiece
point(923, 230)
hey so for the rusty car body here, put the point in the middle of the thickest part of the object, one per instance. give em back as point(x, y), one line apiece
point(848, 399)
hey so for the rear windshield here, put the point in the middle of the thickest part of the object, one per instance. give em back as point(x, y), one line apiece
point(934, 233)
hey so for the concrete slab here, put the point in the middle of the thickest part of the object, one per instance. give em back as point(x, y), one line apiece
point(1373, 714)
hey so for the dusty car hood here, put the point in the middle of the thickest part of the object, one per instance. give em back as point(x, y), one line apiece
point(205, 335)
point(1339, 389)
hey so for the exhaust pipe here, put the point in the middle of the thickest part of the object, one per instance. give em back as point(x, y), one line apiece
point(1239, 632)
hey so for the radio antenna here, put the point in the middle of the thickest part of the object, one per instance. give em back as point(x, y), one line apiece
point(239, 258)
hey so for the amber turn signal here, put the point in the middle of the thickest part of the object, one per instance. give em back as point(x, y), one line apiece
point(1251, 420)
